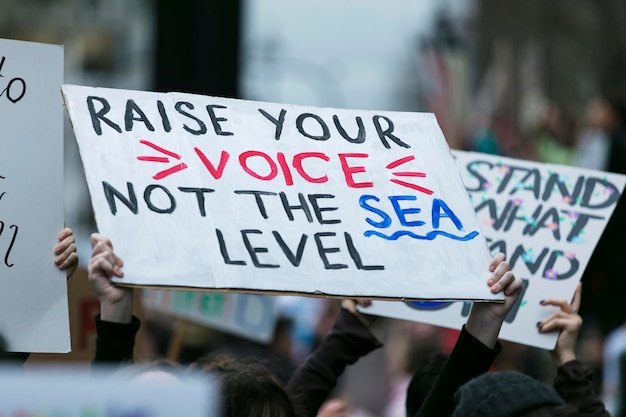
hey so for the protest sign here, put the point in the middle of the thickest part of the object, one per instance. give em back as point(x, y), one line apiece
point(217, 193)
point(546, 218)
point(69, 392)
point(251, 316)
point(33, 296)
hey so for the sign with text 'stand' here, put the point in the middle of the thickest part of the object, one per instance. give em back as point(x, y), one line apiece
point(546, 218)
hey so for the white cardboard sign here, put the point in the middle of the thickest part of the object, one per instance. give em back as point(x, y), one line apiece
point(217, 193)
point(33, 296)
point(546, 218)
point(251, 316)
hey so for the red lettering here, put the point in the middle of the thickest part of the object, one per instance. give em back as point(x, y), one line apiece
point(215, 172)
point(349, 171)
point(285, 168)
point(243, 161)
point(297, 164)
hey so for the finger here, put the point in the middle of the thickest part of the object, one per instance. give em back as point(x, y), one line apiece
point(63, 244)
point(559, 324)
point(506, 280)
point(556, 315)
point(515, 288)
point(71, 260)
point(98, 238)
point(65, 233)
point(502, 268)
point(62, 258)
point(495, 261)
point(364, 302)
point(562, 304)
point(577, 297)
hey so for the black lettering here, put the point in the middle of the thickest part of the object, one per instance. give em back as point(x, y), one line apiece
point(550, 217)
point(13, 98)
point(199, 196)
point(387, 133)
point(296, 258)
point(318, 210)
point(277, 122)
point(581, 221)
point(254, 250)
point(553, 180)
point(224, 251)
point(535, 187)
point(356, 257)
point(110, 193)
point(300, 122)
point(323, 251)
point(257, 197)
point(201, 126)
point(521, 252)
point(507, 177)
point(360, 136)
point(472, 168)
point(513, 312)
point(98, 115)
point(147, 195)
point(133, 109)
point(164, 118)
point(554, 256)
point(302, 206)
point(613, 194)
point(216, 120)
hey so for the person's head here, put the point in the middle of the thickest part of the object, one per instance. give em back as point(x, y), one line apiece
point(508, 394)
point(422, 381)
point(248, 388)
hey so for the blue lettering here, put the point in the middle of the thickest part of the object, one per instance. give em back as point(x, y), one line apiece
point(438, 205)
point(386, 220)
point(400, 212)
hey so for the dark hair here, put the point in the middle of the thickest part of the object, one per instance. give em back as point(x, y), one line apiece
point(422, 382)
point(248, 388)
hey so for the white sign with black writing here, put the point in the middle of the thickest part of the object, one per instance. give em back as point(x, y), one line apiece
point(33, 292)
point(546, 218)
point(218, 193)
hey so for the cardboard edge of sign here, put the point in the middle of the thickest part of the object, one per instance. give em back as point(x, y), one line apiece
point(296, 293)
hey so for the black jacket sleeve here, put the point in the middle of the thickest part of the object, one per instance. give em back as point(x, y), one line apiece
point(115, 341)
point(468, 359)
point(312, 381)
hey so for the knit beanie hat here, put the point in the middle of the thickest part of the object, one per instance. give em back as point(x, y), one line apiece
point(502, 394)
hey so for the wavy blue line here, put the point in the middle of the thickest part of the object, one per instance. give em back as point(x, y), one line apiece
point(429, 236)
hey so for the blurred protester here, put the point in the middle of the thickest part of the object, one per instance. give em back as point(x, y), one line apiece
point(514, 394)
point(348, 340)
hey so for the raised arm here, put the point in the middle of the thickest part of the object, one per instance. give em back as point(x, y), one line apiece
point(477, 345)
point(574, 379)
point(115, 326)
point(349, 340)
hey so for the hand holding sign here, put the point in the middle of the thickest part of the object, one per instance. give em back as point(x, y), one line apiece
point(568, 322)
point(116, 303)
point(66, 258)
point(485, 320)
